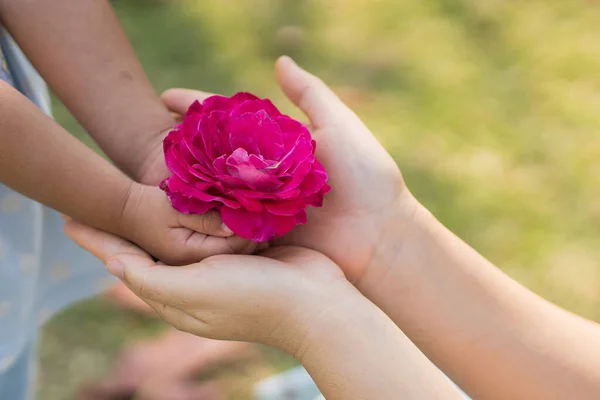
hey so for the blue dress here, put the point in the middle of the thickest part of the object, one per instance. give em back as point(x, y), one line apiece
point(41, 270)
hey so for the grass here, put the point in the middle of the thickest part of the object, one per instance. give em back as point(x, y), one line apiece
point(489, 107)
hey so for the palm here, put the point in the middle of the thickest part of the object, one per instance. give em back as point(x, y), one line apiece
point(365, 183)
point(365, 180)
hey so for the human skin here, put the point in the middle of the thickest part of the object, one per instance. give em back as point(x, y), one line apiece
point(291, 298)
point(491, 335)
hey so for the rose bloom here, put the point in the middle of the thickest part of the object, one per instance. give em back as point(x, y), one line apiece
point(241, 156)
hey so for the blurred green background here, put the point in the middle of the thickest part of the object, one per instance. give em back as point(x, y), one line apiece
point(491, 108)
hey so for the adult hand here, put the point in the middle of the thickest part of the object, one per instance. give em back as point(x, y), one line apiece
point(270, 299)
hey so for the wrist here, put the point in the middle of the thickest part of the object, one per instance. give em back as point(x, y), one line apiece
point(150, 168)
point(129, 211)
point(404, 236)
point(318, 318)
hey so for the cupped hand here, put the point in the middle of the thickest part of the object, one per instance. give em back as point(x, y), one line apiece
point(272, 299)
point(368, 199)
point(172, 237)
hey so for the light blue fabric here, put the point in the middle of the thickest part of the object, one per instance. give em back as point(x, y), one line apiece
point(41, 270)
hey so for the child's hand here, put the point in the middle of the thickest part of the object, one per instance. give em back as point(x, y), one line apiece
point(272, 299)
point(149, 221)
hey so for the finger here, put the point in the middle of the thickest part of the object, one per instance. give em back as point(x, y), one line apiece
point(178, 100)
point(153, 282)
point(294, 255)
point(178, 118)
point(262, 246)
point(199, 246)
point(209, 223)
point(101, 244)
point(310, 94)
point(177, 287)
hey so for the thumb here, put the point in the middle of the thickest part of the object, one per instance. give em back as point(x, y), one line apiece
point(209, 223)
point(101, 244)
point(178, 100)
point(147, 279)
point(310, 94)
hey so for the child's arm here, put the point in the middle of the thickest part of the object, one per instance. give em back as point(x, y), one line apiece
point(42, 161)
point(291, 298)
point(79, 47)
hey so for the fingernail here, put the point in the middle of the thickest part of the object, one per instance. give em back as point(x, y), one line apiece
point(116, 268)
point(226, 229)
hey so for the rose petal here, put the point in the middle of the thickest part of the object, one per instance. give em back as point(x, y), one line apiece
point(238, 157)
point(298, 176)
point(171, 149)
point(216, 102)
point(239, 166)
point(258, 162)
point(256, 106)
point(258, 227)
point(314, 181)
point(265, 134)
point(242, 97)
point(285, 208)
point(221, 134)
point(301, 218)
point(185, 204)
point(230, 182)
point(291, 194)
point(207, 132)
point(291, 130)
point(250, 204)
point(190, 205)
point(194, 108)
point(316, 199)
point(258, 179)
point(190, 129)
point(176, 185)
point(301, 150)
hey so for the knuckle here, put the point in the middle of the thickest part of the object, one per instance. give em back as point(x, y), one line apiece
point(209, 223)
point(143, 286)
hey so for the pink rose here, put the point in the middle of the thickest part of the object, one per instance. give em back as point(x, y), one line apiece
point(244, 158)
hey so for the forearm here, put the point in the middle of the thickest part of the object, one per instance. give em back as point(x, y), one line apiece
point(42, 161)
point(81, 50)
point(354, 351)
point(494, 337)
